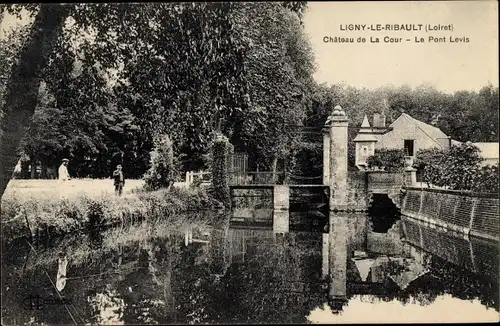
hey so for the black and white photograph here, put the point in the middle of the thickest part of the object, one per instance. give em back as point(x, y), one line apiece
point(279, 162)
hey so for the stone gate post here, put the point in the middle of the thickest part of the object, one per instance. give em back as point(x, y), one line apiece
point(337, 258)
point(326, 154)
point(338, 125)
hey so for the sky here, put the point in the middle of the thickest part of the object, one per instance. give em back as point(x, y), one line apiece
point(447, 66)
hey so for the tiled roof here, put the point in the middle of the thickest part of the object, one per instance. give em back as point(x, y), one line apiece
point(431, 131)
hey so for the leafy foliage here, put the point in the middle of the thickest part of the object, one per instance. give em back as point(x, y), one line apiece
point(24, 81)
point(220, 171)
point(459, 168)
point(62, 216)
point(121, 73)
point(486, 180)
point(429, 163)
point(388, 159)
point(163, 171)
point(464, 116)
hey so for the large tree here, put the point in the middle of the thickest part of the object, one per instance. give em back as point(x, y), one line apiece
point(22, 88)
point(118, 74)
point(279, 67)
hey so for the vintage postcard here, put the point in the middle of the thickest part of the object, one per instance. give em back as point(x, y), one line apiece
point(287, 162)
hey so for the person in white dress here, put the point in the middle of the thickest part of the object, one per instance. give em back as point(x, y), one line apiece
point(63, 178)
point(63, 170)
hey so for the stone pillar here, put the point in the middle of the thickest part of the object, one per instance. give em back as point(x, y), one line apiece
point(281, 197)
point(337, 253)
point(281, 222)
point(326, 155)
point(410, 177)
point(338, 124)
point(220, 173)
point(325, 256)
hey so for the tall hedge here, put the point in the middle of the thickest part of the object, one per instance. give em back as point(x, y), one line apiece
point(389, 159)
point(458, 168)
point(220, 170)
point(163, 168)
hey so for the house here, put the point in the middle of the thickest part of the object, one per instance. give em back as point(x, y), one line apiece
point(489, 152)
point(405, 133)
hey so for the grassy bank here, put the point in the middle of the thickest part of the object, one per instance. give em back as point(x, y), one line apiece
point(58, 210)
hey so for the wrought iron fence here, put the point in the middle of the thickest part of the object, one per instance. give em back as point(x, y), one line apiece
point(257, 177)
point(239, 163)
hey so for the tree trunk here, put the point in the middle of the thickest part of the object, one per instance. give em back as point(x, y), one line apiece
point(22, 89)
point(25, 169)
point(43, 171)
point(33, 169)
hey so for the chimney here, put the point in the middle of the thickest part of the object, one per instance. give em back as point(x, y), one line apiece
point(382, 120)
point(376, 120)
point(379, 120)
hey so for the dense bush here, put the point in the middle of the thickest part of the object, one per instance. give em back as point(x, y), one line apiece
point(459, 168)
point(486, 179)
point(388, 159)
point(163, 168)
point(429, 163)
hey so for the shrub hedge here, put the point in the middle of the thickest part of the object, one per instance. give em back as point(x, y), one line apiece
point(30, 216)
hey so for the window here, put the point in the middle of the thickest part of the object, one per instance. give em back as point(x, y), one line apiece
point(409, 147)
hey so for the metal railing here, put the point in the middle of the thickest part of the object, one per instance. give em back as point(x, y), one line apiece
point(257, 177)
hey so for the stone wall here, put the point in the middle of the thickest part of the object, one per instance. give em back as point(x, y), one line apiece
point(465, 212)
point(254, 203)
point(362, 184)
point(476, 255)
point(389, 243)
point(357, 191)
point(486, 219)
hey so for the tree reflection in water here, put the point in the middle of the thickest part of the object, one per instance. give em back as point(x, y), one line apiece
point(150, 274)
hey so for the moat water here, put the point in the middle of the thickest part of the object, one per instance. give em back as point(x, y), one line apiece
point(190, 271)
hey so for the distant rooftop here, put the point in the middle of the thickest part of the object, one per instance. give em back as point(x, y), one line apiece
point(488, 150)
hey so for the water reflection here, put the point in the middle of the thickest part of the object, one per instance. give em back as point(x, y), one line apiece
point(61, 273)
point(337, 260)
point(193, 271)
point(370, 309)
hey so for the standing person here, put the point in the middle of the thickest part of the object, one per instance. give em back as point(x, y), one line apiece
point(119, 180)
point(63, 179)
point(63, 170)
